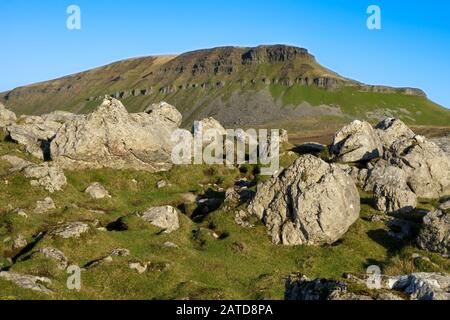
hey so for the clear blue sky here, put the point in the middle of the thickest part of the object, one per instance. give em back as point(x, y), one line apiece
point(412, 49)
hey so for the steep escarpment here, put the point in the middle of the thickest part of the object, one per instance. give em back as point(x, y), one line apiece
point(239, 86)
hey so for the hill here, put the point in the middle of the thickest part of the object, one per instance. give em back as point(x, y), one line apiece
point(268, 85)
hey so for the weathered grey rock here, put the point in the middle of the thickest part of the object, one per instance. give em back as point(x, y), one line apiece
point(435, 233)
point(208, 125)
point(97, 191)
point(170, 245)
point(46, 175)
point(299, 287)
point(425, 164)
point(391, 130)
point(392, 193)
point(59, 116)
point(165, 112)
point(165, 217)
point(120, 252)
point(445, 205)
point(110, 137)
point(419, 286)
point(20, 242)
point(70, 230)
point(357, 142)
point(17, 164)
point(7, 117)
point(310, 203)
point(45, 206)
point(140, 268)
point(27, 281)
point(35, 134)
point(358, 175)
point(162, 184)
point(56, 255)
point(425, 286)
point(443, 143)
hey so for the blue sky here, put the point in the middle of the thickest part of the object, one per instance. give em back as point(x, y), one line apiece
point(412, 49)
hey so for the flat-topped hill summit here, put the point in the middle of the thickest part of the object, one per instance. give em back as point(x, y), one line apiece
point(274, 85)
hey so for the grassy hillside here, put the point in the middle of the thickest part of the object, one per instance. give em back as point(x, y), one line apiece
point(238, 86)
point(239, 264)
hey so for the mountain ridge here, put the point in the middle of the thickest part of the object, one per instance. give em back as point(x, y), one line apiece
point(278, 83)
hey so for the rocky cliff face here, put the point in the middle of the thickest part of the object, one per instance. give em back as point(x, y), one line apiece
point(203, 83)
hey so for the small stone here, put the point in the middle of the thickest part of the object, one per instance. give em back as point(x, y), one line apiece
point(120, 252)
point(70, 230)
point(97, 191)
point(20, 242)
point(169, 244)
point(27, 281)
point(162, 184)
point(445, 205)
point(44, 206)
point(21, 213)
point(138, 267)
point(165, 217)
point(56, 255)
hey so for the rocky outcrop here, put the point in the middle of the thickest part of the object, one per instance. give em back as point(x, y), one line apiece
point(435, 233)
point(166, 113)
point(357, 142)
point(45, 206)
point(299, 287)
point(206, 126)
point(392, 193)
point(418, 286)
point(7, 117)
point(165, 217)
point(70, 230)
point(110, 137)
point(35, 134)
point(391, 130)
point(55, 255)
point(443, 143)
point(59, 116)
point(27, 281)
point(427, 167)
point(45, 175)
point(97, 191)
point(310, 203)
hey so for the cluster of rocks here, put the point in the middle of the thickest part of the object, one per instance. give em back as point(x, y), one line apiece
point(46, 175)
point(416, 286)
point(393, 162)
point(109, 137)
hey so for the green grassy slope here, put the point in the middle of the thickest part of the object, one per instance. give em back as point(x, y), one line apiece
point(242, 264)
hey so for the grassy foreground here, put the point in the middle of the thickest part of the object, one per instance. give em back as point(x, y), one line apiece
point(239, 264)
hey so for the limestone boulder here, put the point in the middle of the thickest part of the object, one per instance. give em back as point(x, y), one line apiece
point(165, 217)
point(435, 233)
point(309, 203)
point(355, 142)
point(392, 193)
point(110, 137)
point(427, 167)
point(7, 117)
point(35, 134)
point(390, 130)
